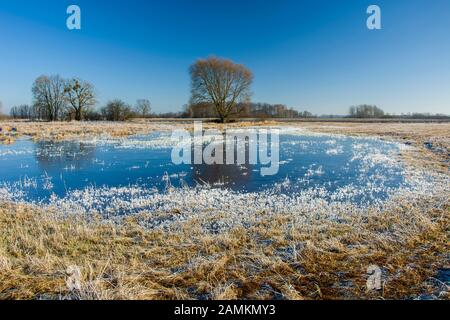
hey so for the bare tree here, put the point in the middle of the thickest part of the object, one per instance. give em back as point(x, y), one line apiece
point(143, 107)
point(48, 95)
point(222, 83)
point(365, 111)
point(1, 107)
point(80, 97)
point(23, 111)
point(116, 110)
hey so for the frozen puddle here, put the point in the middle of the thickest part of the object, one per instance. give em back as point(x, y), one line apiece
point(135, 174)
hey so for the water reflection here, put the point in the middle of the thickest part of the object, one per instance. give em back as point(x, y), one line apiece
point(225, 175)
point(222, 174)
point(329, 163)
point(70, 154)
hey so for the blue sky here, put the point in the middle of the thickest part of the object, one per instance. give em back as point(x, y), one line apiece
point(316, 55)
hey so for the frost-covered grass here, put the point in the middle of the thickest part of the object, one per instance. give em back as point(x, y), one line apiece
point(236, 208)
point(217, 255)
point(194, 247)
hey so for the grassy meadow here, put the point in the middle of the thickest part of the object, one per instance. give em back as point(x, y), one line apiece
point(52, 254)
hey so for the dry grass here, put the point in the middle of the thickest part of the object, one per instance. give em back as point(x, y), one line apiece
point(273, 258)
point(41, 252)
point(76, 130)
point(436, 133)
point(71, 130)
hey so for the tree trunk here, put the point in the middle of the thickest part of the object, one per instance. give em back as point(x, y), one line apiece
point(78, 115)
point(223, 119)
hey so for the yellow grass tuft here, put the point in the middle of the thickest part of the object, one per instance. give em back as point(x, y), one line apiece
point(39, 252)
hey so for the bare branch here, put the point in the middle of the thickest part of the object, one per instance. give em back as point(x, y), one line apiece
point(221, 83)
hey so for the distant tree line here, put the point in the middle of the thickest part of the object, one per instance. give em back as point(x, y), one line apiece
point(366, 111)
point(55, 98)
point(247, 110)
point(1, 111)
point(220, 89)
point(417, 115)
point(24, 111)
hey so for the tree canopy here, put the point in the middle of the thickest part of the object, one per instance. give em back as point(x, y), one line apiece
point(221, 83)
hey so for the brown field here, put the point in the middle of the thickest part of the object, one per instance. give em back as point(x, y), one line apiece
point(272, 259)
point(436, 132)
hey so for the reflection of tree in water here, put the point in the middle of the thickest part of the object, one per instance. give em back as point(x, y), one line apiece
point(71, 154)
point(224, 174)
